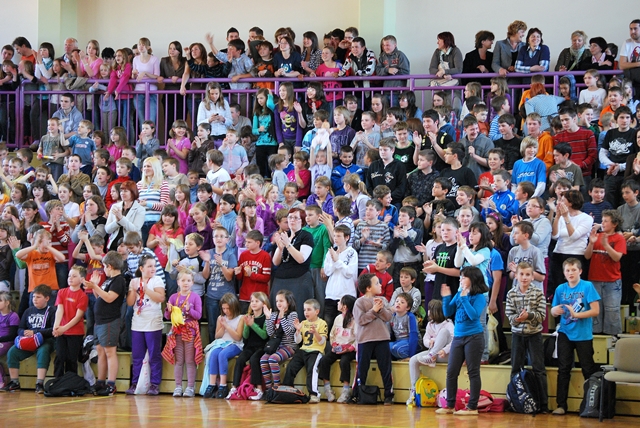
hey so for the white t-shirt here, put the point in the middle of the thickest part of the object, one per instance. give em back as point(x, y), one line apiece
point(147, 314)
point(217, 179)
point(577, 242)
point(630, 50)
point(598, 96)
point(71, 209)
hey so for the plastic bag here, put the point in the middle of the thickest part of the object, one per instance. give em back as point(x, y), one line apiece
point(144, 381)
point(492, 328)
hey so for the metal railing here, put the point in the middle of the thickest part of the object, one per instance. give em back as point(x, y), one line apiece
point(14, 105)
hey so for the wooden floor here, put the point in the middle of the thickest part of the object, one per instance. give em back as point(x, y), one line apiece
point(26, 409)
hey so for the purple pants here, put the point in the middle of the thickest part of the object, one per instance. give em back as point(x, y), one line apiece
point(141, 342)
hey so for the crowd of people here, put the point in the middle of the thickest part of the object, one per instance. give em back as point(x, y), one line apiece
point(321, 229)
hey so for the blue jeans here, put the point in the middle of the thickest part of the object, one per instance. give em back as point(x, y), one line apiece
point(90, 315)
point(483, 321)
point(213, 311)
point(608, 320)
point(153, 108)
point(400, 349)
point(219, 359)
point(469, 349)
point(172, 285)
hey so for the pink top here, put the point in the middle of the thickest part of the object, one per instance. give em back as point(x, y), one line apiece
point(158, 250)
point(116, 153)
point(152, 66)
point(320, 72)
point(95, 66)
point(183, 144)
point(240, 236)
point(119, 82)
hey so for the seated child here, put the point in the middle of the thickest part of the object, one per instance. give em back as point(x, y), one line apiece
point(311, 334)
point(343, 341)
point(404, 328)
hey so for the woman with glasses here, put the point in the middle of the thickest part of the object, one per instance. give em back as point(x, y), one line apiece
point(293, 259)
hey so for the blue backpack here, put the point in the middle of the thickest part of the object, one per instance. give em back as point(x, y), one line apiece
point(523, 394)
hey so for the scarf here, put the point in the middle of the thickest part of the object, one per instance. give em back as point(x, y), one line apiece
point(576, 54)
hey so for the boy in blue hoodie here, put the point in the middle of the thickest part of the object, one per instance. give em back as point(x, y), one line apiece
point(503, 201)
point(346, 167)
point(389, 213)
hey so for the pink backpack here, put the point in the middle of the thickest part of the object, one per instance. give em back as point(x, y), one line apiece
point(245, 390)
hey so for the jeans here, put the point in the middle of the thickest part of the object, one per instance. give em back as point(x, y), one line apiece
point(612, 185)
point(380, 351)
point(469, 349)
point(483, 322)
point(172, 285)
point(584, 348)
point(219, 359)
point(153, 108)
point(144, 232)
point(530, 346)
point(90, 315)
point(608, 320)
point(213, 311)
point(400, 349)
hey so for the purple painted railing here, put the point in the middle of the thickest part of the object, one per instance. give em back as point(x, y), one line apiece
point(16, 101)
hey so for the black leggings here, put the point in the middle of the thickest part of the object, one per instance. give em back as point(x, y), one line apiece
point(262, 158)
point(253, 356)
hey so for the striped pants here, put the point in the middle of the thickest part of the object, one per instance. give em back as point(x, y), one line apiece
point(270, 365)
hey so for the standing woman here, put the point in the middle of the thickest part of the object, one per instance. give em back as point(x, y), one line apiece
point(125, 216)
point(118, 82)
point(506, 51)
point(571, 227)
point(287, 62)
point(172, 68)
point(153, 193)
point(292, 258)
point(311, 54)
point(480, 59)
point(146, 66)
point(447, 58)
point(44, 71)
point(215, 111)
point(571, 57)
point(90, 61)
point(197, 54)
point(534, 57)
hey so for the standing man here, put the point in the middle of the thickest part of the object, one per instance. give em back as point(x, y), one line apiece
point(361, 62)
point(630, 55)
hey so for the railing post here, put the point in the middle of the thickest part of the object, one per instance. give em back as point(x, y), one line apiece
point(147, 100)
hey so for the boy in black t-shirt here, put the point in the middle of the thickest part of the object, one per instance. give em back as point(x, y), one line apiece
point(508, 141)
point(442, 264)
point(435, 139)
point(406, 152)
point(109, 298)
point(617, 146)
point(457, 174)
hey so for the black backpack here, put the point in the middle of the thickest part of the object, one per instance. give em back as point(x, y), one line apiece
point(283, 394)
point(523, 393)
point(69, 385)
point(590, 405)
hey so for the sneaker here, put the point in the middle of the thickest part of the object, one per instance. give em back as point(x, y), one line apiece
point(559, 411)
point(345, 396)
point(258, 395)
point(222, 392)
point(39, 388)
point(107, 391)
point(445, 411)
point(177, 392)
point(232, 391)
point(131, 390)
point(211, 391)
point(428, 360)
point(388, 401)
point(411, 401)
point(153, 390)
point(189, 392)
point(314, 399)
point(12, 386)
point(466, 412)
point(331, 397)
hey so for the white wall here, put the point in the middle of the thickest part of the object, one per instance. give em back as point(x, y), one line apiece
point(419, 21)
point(119, 23)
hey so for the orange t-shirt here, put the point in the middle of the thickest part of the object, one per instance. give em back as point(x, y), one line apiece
point(42, 270)
point(606, 109)
point(545, 149)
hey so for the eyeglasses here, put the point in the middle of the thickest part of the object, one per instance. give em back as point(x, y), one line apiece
point(294, 218)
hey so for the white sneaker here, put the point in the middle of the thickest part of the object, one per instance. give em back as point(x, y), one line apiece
point(177, 392)
point(258, 395)
point(328, 392)
point(189, 392)
point(412, 398)
point(231, 392)
point(345, 396)
point(314, 399)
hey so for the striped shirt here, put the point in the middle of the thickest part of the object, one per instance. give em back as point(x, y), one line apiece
point(584, 150)
point(156, 199)
point(133, 261)
point(287, 326)
point(59, 238)
point(367, 252)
